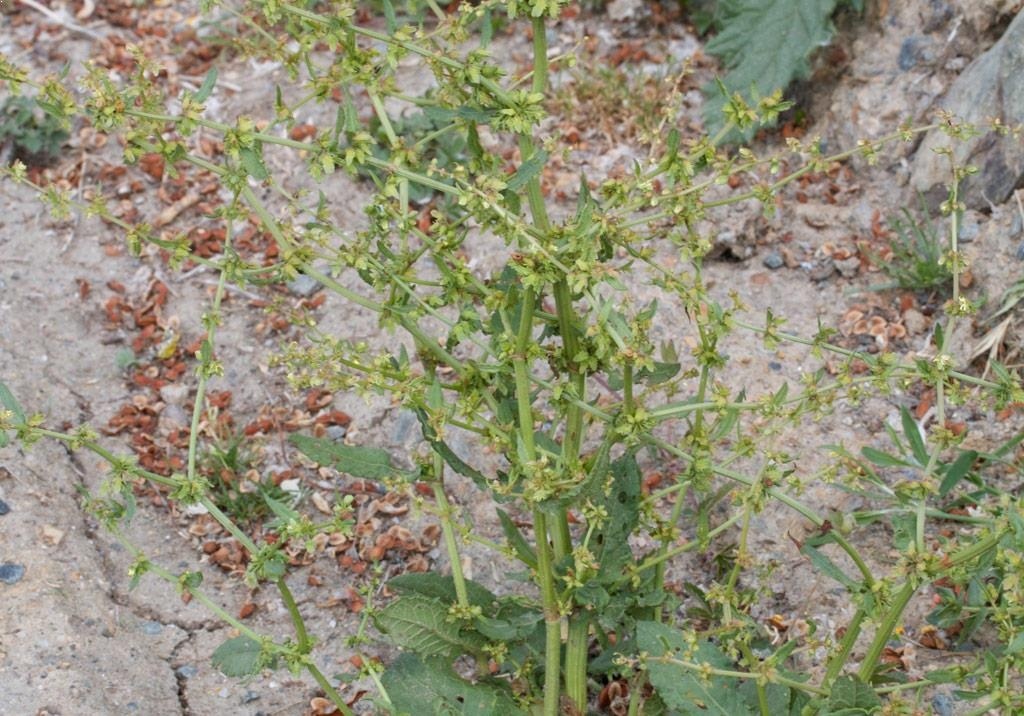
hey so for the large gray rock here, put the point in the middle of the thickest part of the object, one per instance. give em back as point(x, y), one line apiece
point(991, 86)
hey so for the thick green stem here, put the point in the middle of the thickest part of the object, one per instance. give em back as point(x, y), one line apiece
point(885, 630)
point(576, 660)
point(839, 659)
point(552, 617)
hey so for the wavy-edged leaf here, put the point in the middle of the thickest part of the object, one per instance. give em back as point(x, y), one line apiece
point(851, 697)
point(416, 686)
point(421, 624)
point(440, 587)
point(681, 688)
point(241, 656)
point(366, 462)
point(764, 45)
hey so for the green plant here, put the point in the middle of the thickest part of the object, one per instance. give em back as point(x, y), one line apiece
point(917, 257)
point(227, 464)
point(764, 45)
point(36, 135)
point(547, 358)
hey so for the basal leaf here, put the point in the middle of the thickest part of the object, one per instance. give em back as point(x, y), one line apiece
point(421, 624)
point(681, 688)
point(241, 656)
point(416, 686)
point(440, 587)
point(366, 462)
point(852, 696)
point(764, 45)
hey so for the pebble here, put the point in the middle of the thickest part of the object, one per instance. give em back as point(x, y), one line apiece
point(913, 51)
point(152, 628)
point(775, 365)
point(942, 705)
point(849, 267)
point(773, 260)
point(914, 321)
point(4, 508)
point(186, 671)
point(823, 270)
point(336, 432)
point(174, 394)
point(249, 696)
point(303, 285)
point(968, 230)
point(11, 573)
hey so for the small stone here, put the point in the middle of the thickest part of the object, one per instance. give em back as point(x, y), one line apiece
point(968, 230)
point(186, 671)
point(336, 432)
point(4, 508)
point(11, 573)
point(913, 51)
point(942, 705)
point(914, 321)
point(775, 365)
point(823, 271)
point(773, 260)
point(849, 267)
point(174, 393)
point(152, 628)
point(619, 10)
point(303, 285)
point(249, 696)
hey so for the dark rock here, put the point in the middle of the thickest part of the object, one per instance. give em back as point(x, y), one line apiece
point(775, 365)
point(4, 508)
point(915, 50)
point(773, 260)
point(968, 230)
point(942, 705)
point(186, 671)
point(336, 432)
point(11, 573)
point(249, 696)
point(303, 285)
point(992, 85)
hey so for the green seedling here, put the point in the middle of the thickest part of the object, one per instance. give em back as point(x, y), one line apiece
point(37, 137)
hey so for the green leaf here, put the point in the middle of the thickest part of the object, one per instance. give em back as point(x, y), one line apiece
point(441, 448)
point(527, 555)
point(513, 627)
point(851, 696)
point(956, 472)
point(528, 170)
point(417, 685)
point(681, 688)
point(913, 434)
point(764, 45)
point(827, 567)
point(884, 459)
point(241, 656)
point(252, 162)
point(209, 82)
point(437, 586)
point(366, 462)
point(9, 402)
point(422, 624)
